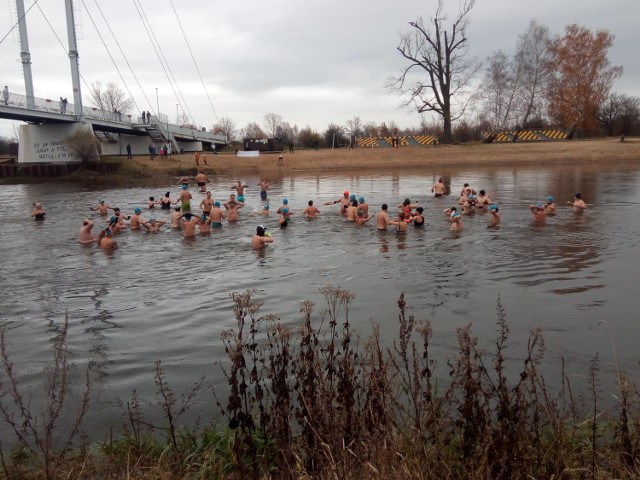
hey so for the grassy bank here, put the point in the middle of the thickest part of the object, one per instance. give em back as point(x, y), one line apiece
point(141, 169)
point(318, 401)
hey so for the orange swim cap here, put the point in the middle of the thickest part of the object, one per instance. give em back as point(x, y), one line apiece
point(346, 193)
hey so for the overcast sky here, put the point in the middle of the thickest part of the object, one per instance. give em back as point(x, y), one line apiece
point(311, 62)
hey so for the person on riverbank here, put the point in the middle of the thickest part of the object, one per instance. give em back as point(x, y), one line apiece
point(202, 180)
point(106, 242)
point(264, 188)
point(196, 157)
point(382, 218)
point(578, 203)
point(216, 215)
point(129, 156)
point(38, 212)
point(188, 222)
point(310, 211)
point(239, 188)
point(5, 95)
point(494, 218)
point(185, 199)
point(550, 207)
point(439, 189)
point(102, 207)
point(539, 213)
point(153, 225)
point(85, 235)
point(166, 202)
point(206, 204)
point(261, 238)
point(232, 206)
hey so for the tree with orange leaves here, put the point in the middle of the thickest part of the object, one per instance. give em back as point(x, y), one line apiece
point(581, 79)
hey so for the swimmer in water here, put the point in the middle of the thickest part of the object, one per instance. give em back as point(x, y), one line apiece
point(285, 204)
point(310, 211)
point(102, 207)
point(362, 218)
point(418, 218)
point(189, 222)
point(284, 218)
point(550, 207)
point(153, 225)
point(439, 188)
point(343, 201)
point(136, 219)
point(494, 219)
point(578, 204)
point(107, 243)
point(364, 206)
point(175, 218)
point(201, 179)
point(38, 212)
point(166, 202)
point(239, 188)
point(483, 200)
point(232, 206)
point(264, 210)
point(86, 236)
point(206, 204)
point(261, 238)
point(382, 218)
point(216, 215)
point(152, 202)
point(264, 188)
point(352, 211)
point(185, 199)
point(204, 224)
point(401, 223)
point(456, 222)
point(539, 213)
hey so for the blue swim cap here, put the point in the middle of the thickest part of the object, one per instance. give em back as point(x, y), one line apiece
point(361, 199)
point(540, 205)
point(137, 210)
point(203, 217)
point(266, 207)
point(184, 187)
point(114, 219)
point(285, 211)
point(352, 196)
point(216, 203)
point(285, 202)
point(107, 231)
point(493, 207)
point(549, 198)
point(455, 215)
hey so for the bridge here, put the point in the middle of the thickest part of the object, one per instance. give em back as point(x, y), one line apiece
point(49, 122)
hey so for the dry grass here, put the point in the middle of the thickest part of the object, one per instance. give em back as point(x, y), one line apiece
point(583, 151)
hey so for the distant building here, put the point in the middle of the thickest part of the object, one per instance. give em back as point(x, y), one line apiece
point(263, 144)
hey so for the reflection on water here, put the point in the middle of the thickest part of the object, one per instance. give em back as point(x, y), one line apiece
point(161, 296)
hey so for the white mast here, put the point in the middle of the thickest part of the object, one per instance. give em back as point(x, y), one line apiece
point(25, 55)
point(73, 58)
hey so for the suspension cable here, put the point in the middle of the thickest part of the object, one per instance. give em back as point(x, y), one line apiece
point(19, 20)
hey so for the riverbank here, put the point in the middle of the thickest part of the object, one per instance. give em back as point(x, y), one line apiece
point(141, 169)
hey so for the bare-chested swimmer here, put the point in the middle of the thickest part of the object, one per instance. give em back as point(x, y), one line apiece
point(483, 200)
point(107, 243)
point(38, 212)
point(189, 222)
point(185, 198)
point(352, 210)
point(153, 225)
point(204, 224)
point(382, 218)
point(344, 202)
point(201, 179)
point(550, 207)
point(232, 206)
point(264, 188)
point(364, 206)
point(136, 219)
point(539, 214)
point(206, 204)
point(102, 207)
point(261, 238)
point(454, 218)
point(578, 204)
point(239, 188)
point(439, 188)
point(494, 219)
point(216, 215)
point(175, 218)
point(85, 236)
point(362, 218)
point(311, 211)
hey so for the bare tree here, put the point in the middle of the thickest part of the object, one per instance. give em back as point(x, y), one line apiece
point(110, 98)
point(253, 130)
point(443, 58)
point(273, 122)
point(499, 91)
point(354, 126)
point(226, 127)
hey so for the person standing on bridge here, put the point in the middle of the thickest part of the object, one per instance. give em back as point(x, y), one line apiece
point(5, 95)
point(63, 105)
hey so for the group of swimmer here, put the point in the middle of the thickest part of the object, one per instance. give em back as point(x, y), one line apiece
point(352, 208)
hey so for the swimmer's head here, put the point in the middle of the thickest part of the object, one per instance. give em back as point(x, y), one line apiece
point(208, 194)
point(107, 231)
point(152, 220)
point(168, 194)
point(137, 211)
point(177, 209)
point(260, 230)
point(216, 203)
point(203, 218)
point(184, 186)
point(187, 216)
point(493, 208)
point(116, 210)
point(481, 192)
point(266, 207)
point(420, 210)
point(361, 199)
point(101, 202)
point(406, 202)
point(578, 195)
point(152, 199)
point(550, 199)
point(310, 202)
point(346, 193)
point(384, 206)
point(285, 201)
point(453, 210)
point(354, 202)
point(352, 197)
point(539, 205)
point(361, 213)
point(285, 211)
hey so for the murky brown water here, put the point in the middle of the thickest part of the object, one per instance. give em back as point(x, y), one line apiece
point(161, 297)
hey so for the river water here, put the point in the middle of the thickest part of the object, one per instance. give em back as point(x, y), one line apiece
point(161, 297)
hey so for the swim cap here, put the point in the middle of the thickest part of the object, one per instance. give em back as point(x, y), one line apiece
point(260, 230)
point(285, 211)
point(285, 201)
point(101, 202)
point(361, 199)
point(188, 216)
point(184, 186)
point(137, 210)
point(539, 205)
point(203, 217)
point(266, 207)
point(455, 215)
point(216, 203)
point(345, 193)
point(107, 231)
point(114, 219)
point(493, 207)
point(151, 220)
point(549, 198)
point(352, 196)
